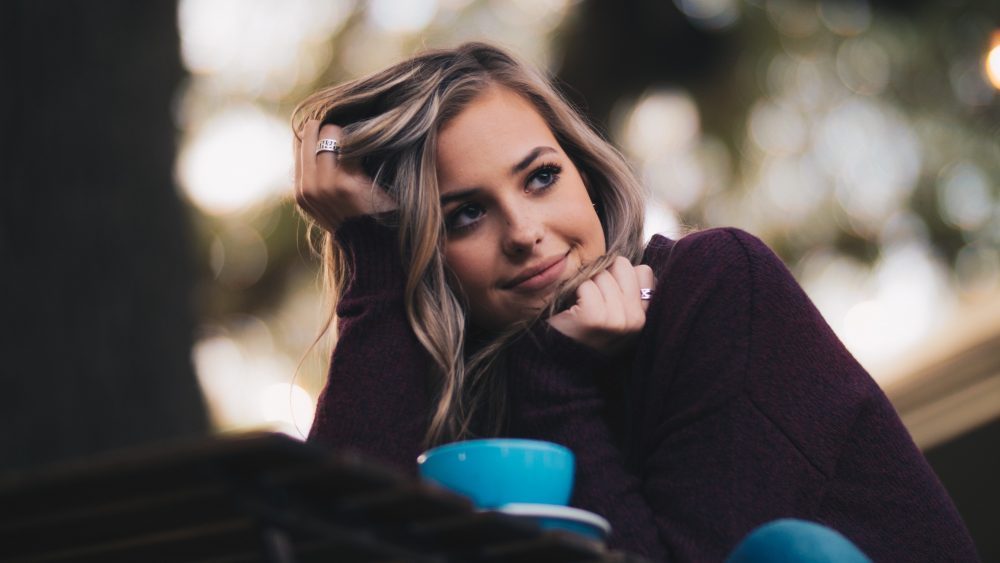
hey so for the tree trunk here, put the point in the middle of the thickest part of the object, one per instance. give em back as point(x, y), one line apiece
point(97, 281)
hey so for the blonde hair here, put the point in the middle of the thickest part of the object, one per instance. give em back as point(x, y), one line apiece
point(390, 123)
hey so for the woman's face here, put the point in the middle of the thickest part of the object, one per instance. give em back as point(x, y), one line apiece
point(518, 215)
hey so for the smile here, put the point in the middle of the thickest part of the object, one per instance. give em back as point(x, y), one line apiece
point(539, 277)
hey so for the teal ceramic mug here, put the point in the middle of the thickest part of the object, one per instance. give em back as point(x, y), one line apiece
point(495, 472)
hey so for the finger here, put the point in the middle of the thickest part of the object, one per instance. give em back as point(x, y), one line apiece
point(307, 156)
point(297, 163)
point(327, 167)
point(624, 274)
point(614, 303)
point(329, 131)
point(589, 295)
point(589, 302)
point(644, 275)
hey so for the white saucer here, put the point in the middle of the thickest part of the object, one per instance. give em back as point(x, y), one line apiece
point(551, 516)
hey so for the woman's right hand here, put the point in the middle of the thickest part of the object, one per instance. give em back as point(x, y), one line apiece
point(328, 188)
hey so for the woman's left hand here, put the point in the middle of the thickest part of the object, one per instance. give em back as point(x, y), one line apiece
point(609, 312)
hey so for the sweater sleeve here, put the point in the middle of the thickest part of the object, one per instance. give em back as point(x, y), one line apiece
point(555, 396)
point(375, 400)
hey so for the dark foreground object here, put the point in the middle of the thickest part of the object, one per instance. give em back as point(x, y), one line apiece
point(790, 540)
point(257, 497)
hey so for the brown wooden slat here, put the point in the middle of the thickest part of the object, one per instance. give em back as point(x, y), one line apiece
point(240, 536)
point(328, 551)
point(408, 503)
point(116, 522)
point(473, 532)
point(220, 501)
point(332, 480)
point(547, 548)
point(148, 472)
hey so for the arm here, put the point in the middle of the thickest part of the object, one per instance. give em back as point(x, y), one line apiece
point(753, 410)
point(375, 400)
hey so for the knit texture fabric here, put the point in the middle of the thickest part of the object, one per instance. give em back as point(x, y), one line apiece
point(737, 406)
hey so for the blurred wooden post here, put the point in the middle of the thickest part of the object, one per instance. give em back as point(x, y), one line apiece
point(96, 267)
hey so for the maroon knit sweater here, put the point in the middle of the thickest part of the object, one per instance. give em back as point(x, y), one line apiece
point(737, 406)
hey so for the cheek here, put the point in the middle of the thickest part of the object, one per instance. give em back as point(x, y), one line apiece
point(597, 235)
point(470, 266)
point(584, 224)
point(578, 217)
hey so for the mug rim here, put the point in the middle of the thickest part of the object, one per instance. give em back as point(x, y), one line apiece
point(489, 443)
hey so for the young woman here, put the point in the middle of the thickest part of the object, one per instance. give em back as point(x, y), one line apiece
point(484, 245)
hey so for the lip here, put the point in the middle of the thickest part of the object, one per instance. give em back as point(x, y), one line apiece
point(538, 276)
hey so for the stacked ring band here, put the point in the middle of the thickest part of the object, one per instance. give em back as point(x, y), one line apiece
point(328, 145)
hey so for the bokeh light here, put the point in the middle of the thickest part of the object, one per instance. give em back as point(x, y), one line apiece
point(777, 128)
point(662, 121)
point(238, 257)
point(863, 66)
point(970, 83)
point(401, 16)
point(663, 135)
point(964, 195)
point(257, 46)
point(710, 14)
point(993, 61)
point(288, 406)
point(845, 17)
point(369, 48)
point(236, 158)
point(874, 157)
point(793, 18)
point(977, 269)
point(538, 15)
point(838, 133)
point(247, 383)
point(660, 220)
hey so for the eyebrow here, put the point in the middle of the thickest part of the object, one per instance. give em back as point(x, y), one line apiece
point(516, 169)
point(529, 158)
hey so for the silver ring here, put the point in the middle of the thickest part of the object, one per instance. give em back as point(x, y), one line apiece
point(328, 145)
point(645, 293)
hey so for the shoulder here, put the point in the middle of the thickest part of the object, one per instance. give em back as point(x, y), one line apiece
point(739, 322)
point(725, 253)
point(730, 264)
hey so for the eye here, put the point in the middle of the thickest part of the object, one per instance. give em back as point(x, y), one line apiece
point(465, 217)
point(543, 177)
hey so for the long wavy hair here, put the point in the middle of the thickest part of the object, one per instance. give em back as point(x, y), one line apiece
point(390, 122)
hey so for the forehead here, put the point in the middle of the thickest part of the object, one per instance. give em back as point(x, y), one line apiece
point(495, 131)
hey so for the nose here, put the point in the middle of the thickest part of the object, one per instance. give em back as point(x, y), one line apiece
point(523, 232)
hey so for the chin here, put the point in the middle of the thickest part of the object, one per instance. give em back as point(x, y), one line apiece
point(498, 324)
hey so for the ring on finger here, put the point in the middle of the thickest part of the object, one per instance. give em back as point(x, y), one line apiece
point(645, 293)
point(328, 145)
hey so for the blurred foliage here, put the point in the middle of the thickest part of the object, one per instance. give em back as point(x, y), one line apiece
point(853, 136)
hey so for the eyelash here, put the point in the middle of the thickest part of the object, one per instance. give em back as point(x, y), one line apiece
point(550, 168)
point(547, 168)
